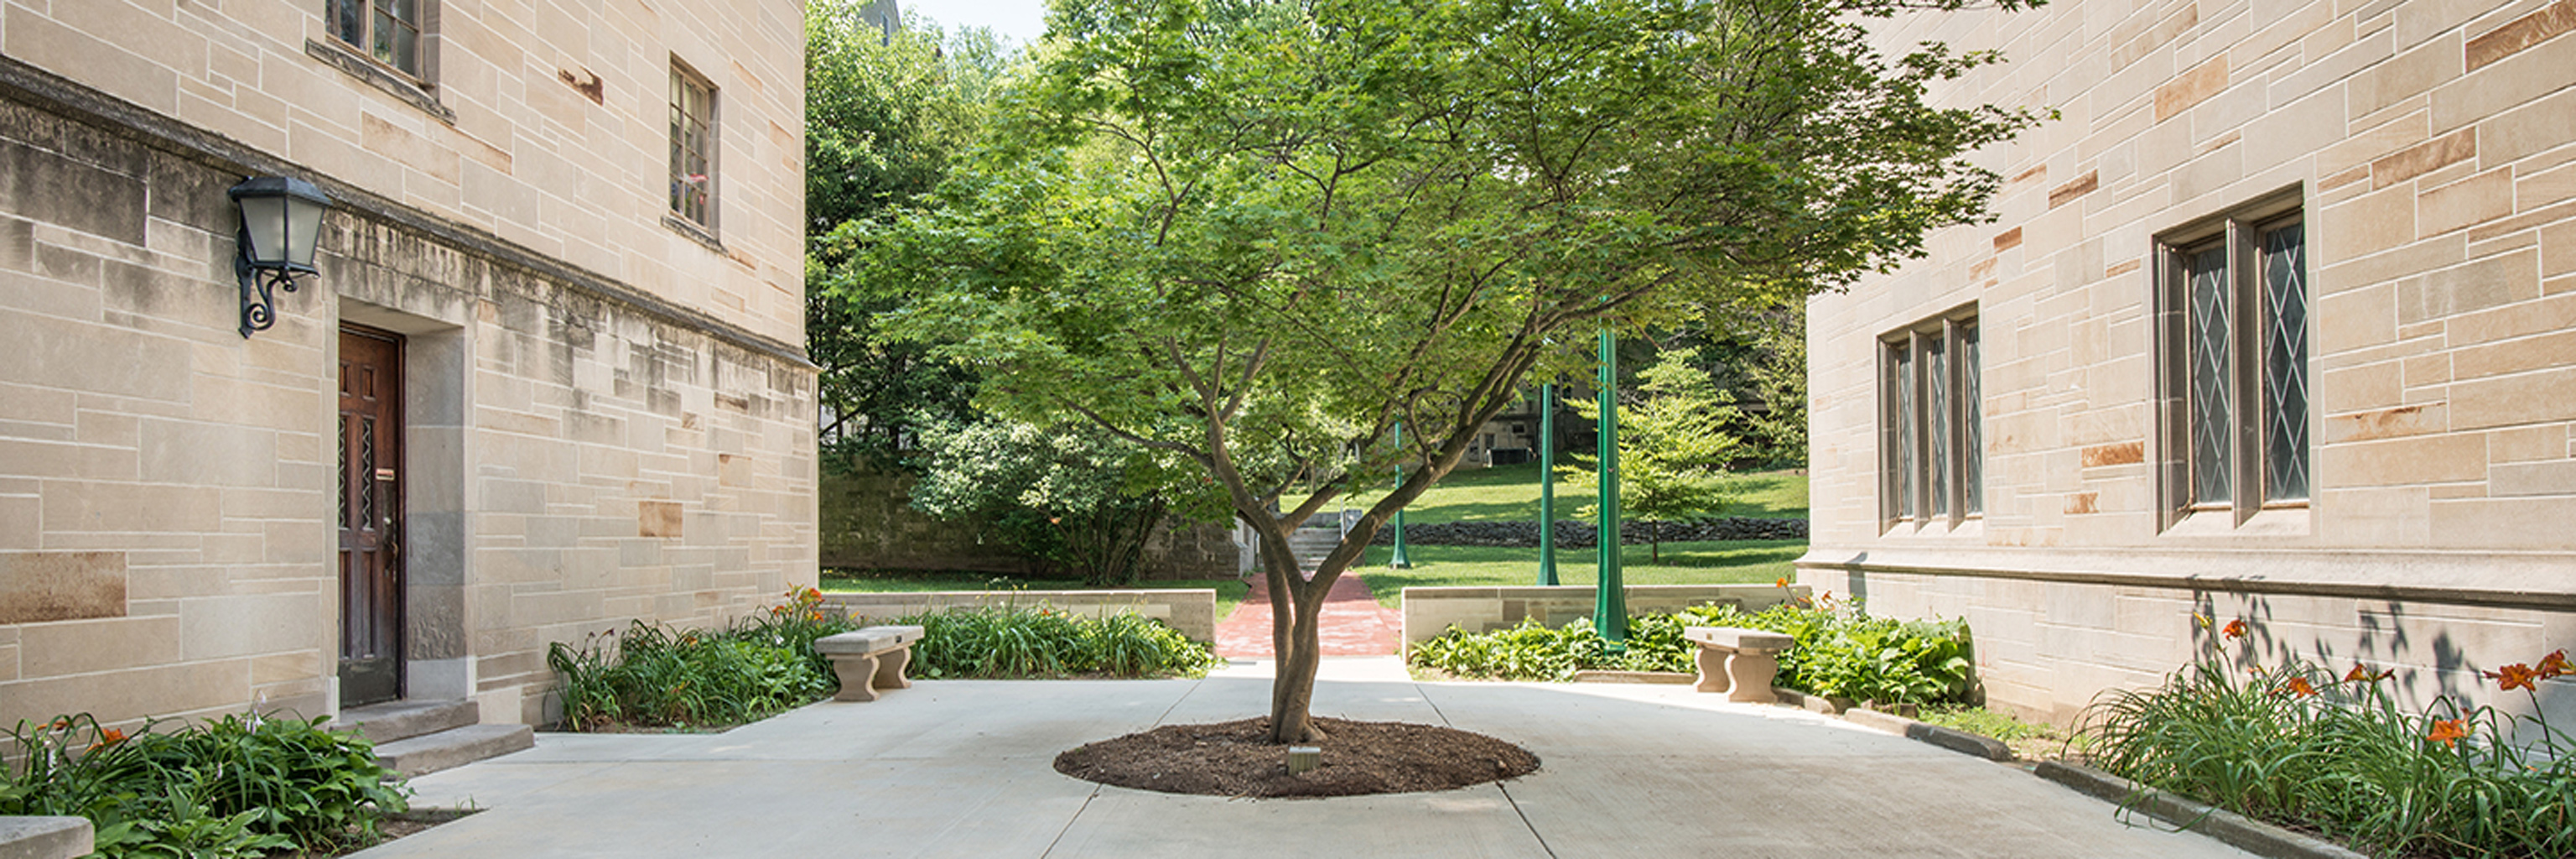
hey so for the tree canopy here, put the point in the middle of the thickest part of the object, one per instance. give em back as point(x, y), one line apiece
point(1255, 235)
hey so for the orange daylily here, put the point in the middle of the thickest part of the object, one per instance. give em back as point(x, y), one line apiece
point(2362, 674)
point(2235, 628)
point(1783, 581)
point(2511, 677)
point(2299, 686)
point(2448, 732)
point(2555, 665)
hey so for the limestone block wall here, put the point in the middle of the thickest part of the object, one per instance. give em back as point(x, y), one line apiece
point(2430, 148)
point(544, 123)
point(1428, 612)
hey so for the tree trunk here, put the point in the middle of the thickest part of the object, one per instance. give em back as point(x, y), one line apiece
point(1655, 540)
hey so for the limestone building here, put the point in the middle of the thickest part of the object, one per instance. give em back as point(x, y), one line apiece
point(2278, 323)
point(547, 378)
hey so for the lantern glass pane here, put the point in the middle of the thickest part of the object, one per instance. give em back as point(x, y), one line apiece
point(304, 227)
point(264, 221)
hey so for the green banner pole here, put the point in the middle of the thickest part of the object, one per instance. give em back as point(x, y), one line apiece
point(1610, 594)
point(1399, 560)
point(1546, 485)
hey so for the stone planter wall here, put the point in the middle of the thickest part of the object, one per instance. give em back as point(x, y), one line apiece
point(1431, 611)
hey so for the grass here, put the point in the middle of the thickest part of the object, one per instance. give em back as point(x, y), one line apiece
point(1727, 562)
point(1229, 591)
point(2029, 741)
point(1509, 493)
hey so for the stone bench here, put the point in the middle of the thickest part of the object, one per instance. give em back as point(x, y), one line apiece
point(1751, 657)
point(870, 660)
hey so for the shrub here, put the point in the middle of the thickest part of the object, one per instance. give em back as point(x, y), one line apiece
point(657, 676)
point(1840, 653)
point(2297, 744)
point(232, 787)
point(1042, 641)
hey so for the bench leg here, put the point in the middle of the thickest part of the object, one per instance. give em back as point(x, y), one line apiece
point(857, 671)
point(1712, 670)
point(1751, 674)
point(890, 669)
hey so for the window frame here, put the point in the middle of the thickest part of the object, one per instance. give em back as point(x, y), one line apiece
point(1931, 429)
point(425, 14)
point(2250, 342)
point(683, 77)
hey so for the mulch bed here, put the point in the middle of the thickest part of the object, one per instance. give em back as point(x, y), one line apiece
point(1238, 759)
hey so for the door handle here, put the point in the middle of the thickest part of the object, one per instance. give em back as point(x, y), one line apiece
point(388, 526)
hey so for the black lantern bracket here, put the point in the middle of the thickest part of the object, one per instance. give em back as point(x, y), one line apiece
point(281, 218)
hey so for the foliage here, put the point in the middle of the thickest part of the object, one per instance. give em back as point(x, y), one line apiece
point(1230, 590)
point(1074, 498)
point(658, 676)
point(884, 120)
point(1041, 641)
point(1838, 653)
point(1258, 235)
point(1672, 448)
point(1713, 562)
point(2294, 742)
point(235, 786)
point(1766, 348)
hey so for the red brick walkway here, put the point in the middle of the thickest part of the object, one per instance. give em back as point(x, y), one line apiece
point(1354, 624)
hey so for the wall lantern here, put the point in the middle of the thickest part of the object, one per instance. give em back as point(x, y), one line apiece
point(280, 220)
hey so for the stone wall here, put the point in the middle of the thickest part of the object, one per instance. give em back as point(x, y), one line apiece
point(1191, 611)
point(1576, 534)
point(1428, 612)
point(2428, 147)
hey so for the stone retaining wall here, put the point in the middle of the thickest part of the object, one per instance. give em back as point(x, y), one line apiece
point(1576, 533)
point(1431, 611)
point(1192, 611)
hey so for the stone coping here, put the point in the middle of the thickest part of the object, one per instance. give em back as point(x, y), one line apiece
point(1430, 611)
point(44, 837)
point(1191, 611)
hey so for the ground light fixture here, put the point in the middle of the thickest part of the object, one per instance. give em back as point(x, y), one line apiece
point(281, 217)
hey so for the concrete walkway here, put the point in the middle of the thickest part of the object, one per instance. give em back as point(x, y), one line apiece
point(962, 768)
point(1353, 623)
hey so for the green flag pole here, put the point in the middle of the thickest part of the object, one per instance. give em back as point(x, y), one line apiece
point(1546, 485)
point(1399, 560)
point(1610, 596)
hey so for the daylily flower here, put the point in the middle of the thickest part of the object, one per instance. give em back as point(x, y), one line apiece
point(2511, 677)
point(2299, 686)
point(2235, 628)
point(1783, 581)
point(2447, 732)
point(2555, 665)
point(2362, 674)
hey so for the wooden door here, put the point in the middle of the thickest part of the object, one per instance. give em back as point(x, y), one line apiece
point(371, 602)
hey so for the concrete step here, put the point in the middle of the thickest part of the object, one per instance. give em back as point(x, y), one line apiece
point(454, 747)
point(403, 720)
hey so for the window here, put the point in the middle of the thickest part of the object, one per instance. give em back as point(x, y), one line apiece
point(2233, 300)
point(1931, 448)
point(692, 146)
point(388, 30)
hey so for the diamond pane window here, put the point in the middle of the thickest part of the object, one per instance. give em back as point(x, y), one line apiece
point(1932, 465)
point(2212, 421)
point(388, 30)
point(692, 109)
point(2285, 362)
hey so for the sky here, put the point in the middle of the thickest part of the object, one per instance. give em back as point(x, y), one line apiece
point(1021, 21)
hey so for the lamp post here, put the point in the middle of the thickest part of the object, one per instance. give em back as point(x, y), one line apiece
point(1610, 596)
point(1546, 485)
point(1399, 560)
point(281, 219)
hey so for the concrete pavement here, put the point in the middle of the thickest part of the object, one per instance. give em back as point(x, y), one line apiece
point(962, 768)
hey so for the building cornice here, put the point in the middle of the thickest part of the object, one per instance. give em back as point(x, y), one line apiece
point(2527, 580)
point(22, 82)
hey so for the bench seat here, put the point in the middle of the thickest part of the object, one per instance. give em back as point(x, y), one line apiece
point(870, 660)
point(1737, 661)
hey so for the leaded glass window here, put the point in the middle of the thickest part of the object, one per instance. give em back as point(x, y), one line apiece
point(692, 145)
point(1933, 467)
point(2285, 363)
point(388, 30)
point(2212, 422)
point(2236, 339)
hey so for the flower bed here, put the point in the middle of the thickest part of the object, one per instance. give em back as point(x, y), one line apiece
point(238, 786)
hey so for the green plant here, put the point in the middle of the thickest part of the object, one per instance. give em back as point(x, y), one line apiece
point(1672, 450)
point(2295, 743)
point(655, 675)
point(1015, 641)
point(236, 786)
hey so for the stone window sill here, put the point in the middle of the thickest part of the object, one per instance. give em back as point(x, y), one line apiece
point(694, 232)
point(393, 83)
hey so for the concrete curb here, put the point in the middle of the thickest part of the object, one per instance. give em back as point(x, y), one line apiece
point(44, 837)
point(1659, 677)
point(1956, 740)
point(2244, 833)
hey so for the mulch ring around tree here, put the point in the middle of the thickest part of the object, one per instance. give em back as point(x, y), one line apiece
point(1238, 759)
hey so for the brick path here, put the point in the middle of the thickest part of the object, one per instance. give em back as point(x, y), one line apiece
point(1354, 624)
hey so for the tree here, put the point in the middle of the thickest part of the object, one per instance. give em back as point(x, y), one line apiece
point(1074, 497)
point(1255, 235)
point(1673, 445)
point(884, 120)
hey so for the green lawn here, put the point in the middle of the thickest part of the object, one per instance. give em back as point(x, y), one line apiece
point(1727, 562)
point(1506, 493)
point(1229, 592)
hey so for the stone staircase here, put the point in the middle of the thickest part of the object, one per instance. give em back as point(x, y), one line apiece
point(416, 737)
point(1318, 536)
